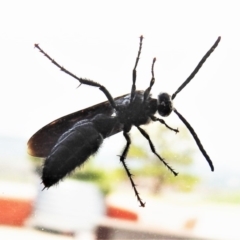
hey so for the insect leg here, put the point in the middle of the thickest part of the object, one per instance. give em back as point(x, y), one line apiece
point(122, 159)
point(154, 151)
point(81, 80)
point(197, 140)
point(134, 73)
point(147, 91)
point(163, 122)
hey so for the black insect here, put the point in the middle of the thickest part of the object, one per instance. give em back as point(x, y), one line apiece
point(70, 140)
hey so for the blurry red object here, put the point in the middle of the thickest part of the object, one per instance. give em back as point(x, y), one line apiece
point(14, 211)
point(120, 213)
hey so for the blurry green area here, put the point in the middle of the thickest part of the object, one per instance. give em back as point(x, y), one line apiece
point(144, 165)
point(174, 150)
point(225, 198)
point(105, 179)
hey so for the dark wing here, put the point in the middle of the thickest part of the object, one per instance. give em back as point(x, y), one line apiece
point(42, 142)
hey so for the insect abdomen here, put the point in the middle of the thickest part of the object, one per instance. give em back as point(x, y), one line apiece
point(72, 149)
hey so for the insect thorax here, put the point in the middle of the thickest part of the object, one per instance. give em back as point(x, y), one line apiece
point(136, 112)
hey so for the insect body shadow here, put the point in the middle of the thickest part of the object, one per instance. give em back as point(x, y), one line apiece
point(70, 140)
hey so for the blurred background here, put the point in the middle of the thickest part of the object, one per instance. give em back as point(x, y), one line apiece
point(99, 40)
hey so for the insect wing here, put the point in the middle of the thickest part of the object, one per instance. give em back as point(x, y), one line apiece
point(42, 142)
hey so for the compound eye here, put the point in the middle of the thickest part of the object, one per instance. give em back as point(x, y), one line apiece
point(165, 105)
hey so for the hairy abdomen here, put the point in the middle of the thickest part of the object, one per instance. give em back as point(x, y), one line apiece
point(72, 149)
